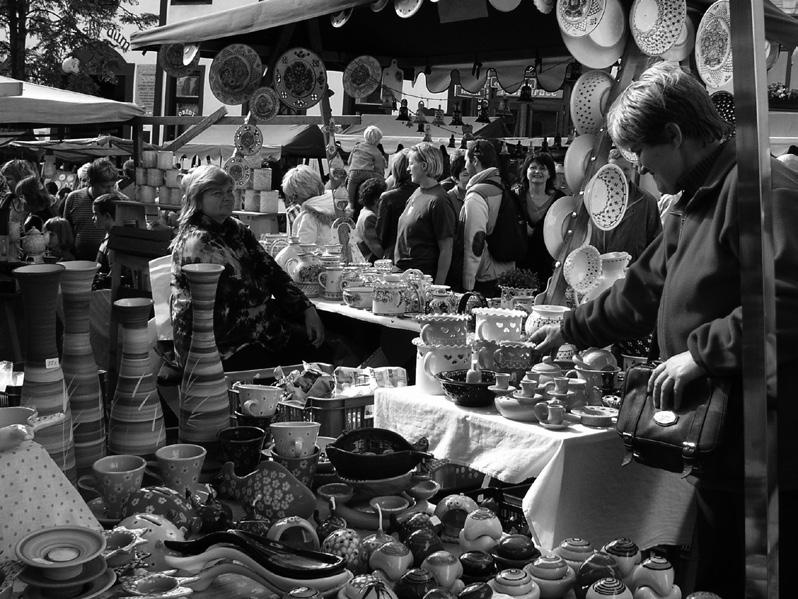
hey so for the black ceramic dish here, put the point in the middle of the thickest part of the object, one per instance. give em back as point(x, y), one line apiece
point(468, 395)
point(272, 555)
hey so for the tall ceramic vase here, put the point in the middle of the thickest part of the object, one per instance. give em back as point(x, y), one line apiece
point(135, 425)
point(204, 403)
point(43, 388)
point(80, 369)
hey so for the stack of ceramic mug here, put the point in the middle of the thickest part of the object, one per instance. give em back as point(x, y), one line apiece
point(156, 175)
point(441, 346)
point(499, 336)
point(295, 448)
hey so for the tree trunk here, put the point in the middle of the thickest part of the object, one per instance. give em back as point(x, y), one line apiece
point(17, 36)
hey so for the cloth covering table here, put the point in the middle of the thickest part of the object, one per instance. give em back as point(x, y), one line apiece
point(393, 322)
point(580, 487)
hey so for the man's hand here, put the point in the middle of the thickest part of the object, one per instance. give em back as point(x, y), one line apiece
point(669, 379)
point(547, 338)
point(314, 327)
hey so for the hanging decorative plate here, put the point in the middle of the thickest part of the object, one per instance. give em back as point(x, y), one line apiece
point(683, 45)
point(657, 24)
point(772, 50)
point(613, 25)
point(300, 78)
point(235, 73)
point(577, 158)
point(340, 18)
point(407, 8)
point(555, 224)
point(362, 76)
point(579, 17)
point(172, 57)
point(607, 197)
point(239, 170)
point(378, 5)
point(589, 101)
point(544, 6)
point(724, 103)
point(505, 5)
point(592, 54)
point(713, 51)
point(582, 268)
point(264, 104)
point(248, 139)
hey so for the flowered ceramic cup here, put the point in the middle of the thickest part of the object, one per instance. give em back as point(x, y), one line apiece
point(242, 446)
point(295, 439)
point(116, 478)
point(179, 465)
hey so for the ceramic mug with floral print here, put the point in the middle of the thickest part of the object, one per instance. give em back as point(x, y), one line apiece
point(116, 478)
point(295, 439)
point(302, 467)
point(179, 465)
point(242, 446)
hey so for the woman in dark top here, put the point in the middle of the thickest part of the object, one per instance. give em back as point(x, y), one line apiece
point(393, 201)
point(261, 318)
point(537, 192)
point(37, 202)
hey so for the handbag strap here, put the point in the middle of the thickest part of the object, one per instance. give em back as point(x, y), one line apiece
point(690, 443)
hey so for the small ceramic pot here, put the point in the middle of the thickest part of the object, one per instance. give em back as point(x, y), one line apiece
point(655, 572)
point(452, 511)
point(358, 297)
point(550, 412)
point(552, 575)
point(444, 566)
point(430, 360)
point(443, 329)
point(514, 582)
point(482, 521)
point(390, 298)
point(295, 439)
point(574, 551)
point(543, 314)
point(330, 281)
point(393, 559)
point(242, 446)
point(626, 553)
point(414, 584)
point(608, 588)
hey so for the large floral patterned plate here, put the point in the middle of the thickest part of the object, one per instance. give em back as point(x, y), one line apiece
point(271, 491)
point(239, 170)
point(657, 24)
point(713, 51)
point(578, 18)
point(300, 78)
point(248, 139)
point(235, 73)
point(362, 76)
point(178, 60)
point(264, 104)
point(607, 195)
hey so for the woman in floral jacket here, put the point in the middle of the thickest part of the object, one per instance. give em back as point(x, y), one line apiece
point(260, 317)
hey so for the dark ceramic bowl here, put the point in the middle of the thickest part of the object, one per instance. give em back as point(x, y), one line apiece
point(468, 395)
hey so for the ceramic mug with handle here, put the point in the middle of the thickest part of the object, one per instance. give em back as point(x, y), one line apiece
point(430, 360)
point(115, 478)
point(295, 439)
point(179, 465)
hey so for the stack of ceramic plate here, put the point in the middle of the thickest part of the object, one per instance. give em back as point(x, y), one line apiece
point(64, 562)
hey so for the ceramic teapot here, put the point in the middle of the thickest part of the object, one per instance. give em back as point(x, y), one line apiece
point(34, 244)
point(290, 250)
point(440, 300)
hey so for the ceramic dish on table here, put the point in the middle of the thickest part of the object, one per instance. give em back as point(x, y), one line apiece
point(90, 570)
point(595, 416)
point(300, 78)
point(467, 395)
point(235, 73)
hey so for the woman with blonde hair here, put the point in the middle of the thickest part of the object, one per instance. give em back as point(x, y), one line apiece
point(426, 228)
point(261, 318)
point(365, 161)
point(392, 203)
point(303, 187)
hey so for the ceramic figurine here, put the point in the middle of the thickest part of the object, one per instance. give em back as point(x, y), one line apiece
point(344, 542)
point(657, 573)
point(414, 584)
point(452, 511)
point(553, 576)
point(515, 583)
point(445, 567)
point(392, 559)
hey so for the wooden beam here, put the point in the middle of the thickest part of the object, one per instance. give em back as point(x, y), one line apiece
point(280, 119)
point(196, 129)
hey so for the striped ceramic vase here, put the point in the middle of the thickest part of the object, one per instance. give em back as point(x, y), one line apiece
point(135, 425)
point(43, 388)
point(80, 369)
point(204, 403)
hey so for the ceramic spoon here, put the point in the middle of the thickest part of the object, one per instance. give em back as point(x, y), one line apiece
point(196, 563)
point(274, 556)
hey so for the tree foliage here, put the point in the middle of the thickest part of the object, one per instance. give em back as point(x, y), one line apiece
point(40, 34)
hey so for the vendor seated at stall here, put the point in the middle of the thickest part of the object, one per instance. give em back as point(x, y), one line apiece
point(312, 223)
point(261, 318)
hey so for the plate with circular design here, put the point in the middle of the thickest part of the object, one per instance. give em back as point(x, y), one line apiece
point(657, 24)
point(505, 5)
point(713, 52)
point(582, 268)
point(607, 197)
point(60, 547)
point(579, 17)
point(340, 18)
point(248, 139)
point(239, 170)
point(724, 104)
point(300, 78)
point(264, 104)
point(172, 58)
point(589, 101)
point(235, 73)
point(362, 76)
point(407, 8)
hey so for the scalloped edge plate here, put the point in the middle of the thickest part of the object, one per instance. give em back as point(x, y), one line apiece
point(249, 55)
point(239, 169)
point(256, 144)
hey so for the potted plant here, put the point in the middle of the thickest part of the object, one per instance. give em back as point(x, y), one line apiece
point(519, 281)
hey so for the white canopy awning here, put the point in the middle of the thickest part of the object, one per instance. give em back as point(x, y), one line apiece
point(42, 105)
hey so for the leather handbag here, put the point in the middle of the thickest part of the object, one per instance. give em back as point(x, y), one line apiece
point(686, 441)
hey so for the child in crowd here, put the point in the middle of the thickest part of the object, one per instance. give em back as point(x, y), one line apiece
point(61, 240)
point(365, 161)
point(104, 216)
point(368, 196)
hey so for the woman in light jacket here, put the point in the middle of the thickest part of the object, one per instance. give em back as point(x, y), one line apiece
point(478, 217)
point(303, 186)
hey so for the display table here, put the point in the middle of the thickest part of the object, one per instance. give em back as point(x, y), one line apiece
point(392, 322)
point(580, 488)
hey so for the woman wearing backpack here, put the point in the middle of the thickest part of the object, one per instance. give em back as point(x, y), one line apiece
point(483, 199)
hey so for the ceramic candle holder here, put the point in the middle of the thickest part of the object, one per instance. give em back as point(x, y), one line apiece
point(498, 324)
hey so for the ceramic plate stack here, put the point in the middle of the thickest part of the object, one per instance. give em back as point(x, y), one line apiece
point(300, 78)
point(713, 51)
point(606, 197)
point(235, 73)
point(582, 268)
point(657, 24)
point(589, 101)
point(64, 561)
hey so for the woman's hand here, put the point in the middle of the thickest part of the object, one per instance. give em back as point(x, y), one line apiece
point(314, 327)
point(668, 381)
point(547, 338)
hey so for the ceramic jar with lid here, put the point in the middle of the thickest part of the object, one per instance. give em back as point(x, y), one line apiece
point(390, 296)
point(546, 370)
point(440, 300)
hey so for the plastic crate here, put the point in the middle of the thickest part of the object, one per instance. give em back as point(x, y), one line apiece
point(335, 415)
point(454, 478)
point(509, 500)
point(10, 397)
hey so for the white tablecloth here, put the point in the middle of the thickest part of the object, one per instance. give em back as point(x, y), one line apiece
point(580, 488)
point(393, 322)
